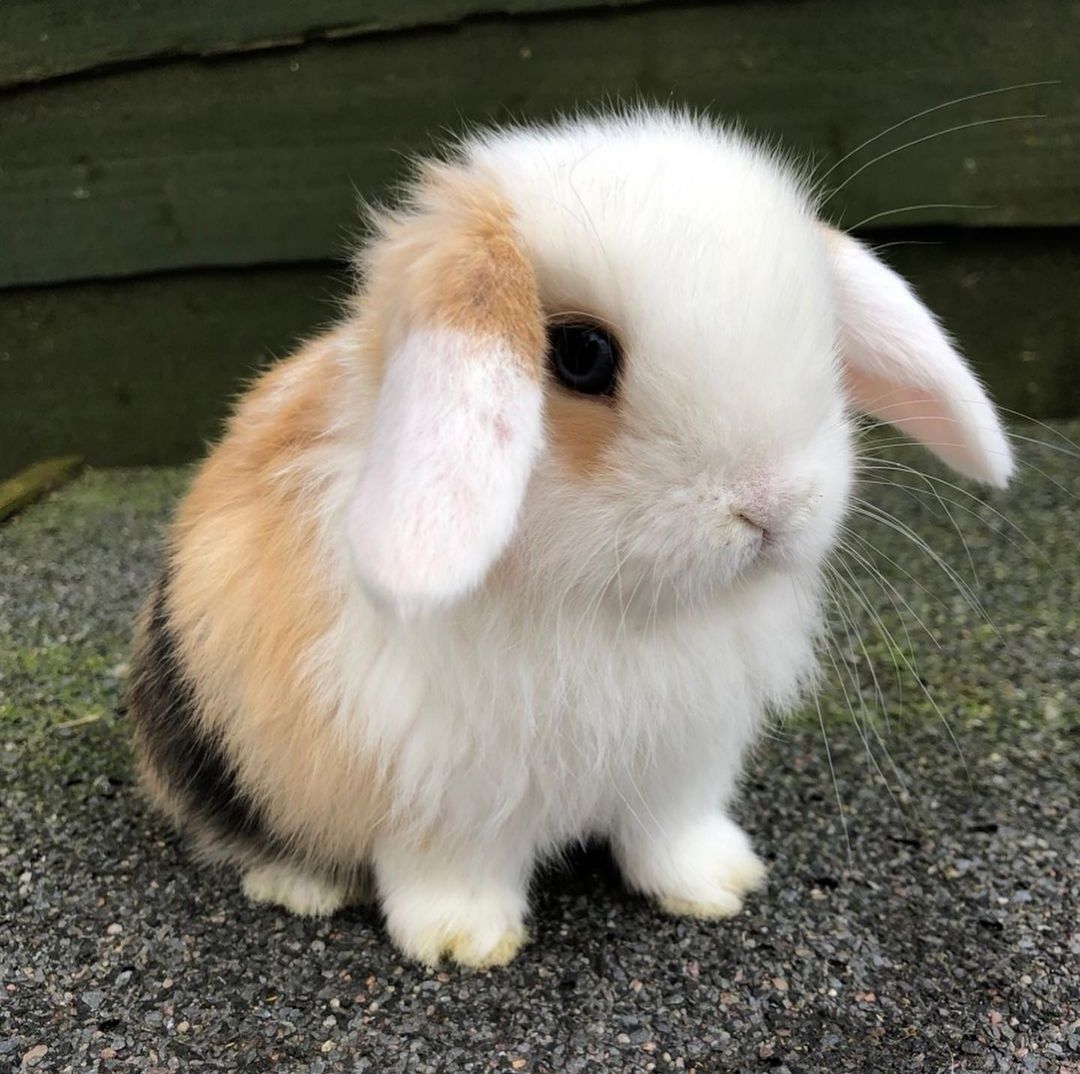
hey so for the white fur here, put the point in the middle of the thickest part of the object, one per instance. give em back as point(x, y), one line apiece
point(457, 427)
point(299, 892)
point(703, 870)
point(609, 677)
point(905, 371)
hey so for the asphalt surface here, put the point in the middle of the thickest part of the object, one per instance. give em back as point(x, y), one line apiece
point(921, 915)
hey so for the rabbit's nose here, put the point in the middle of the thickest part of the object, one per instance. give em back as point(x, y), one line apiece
point(755, 521)
point(758, 501)
point(768, 502)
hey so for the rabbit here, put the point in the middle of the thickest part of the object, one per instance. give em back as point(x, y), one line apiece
point(527, 547)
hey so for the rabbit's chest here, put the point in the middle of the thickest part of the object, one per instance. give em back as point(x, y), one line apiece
point(558, 727)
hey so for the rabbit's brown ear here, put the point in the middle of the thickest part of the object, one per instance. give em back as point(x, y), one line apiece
point(458, 419)
point(900, 366)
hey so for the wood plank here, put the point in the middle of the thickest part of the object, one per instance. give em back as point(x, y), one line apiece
point(257, 159)
point(141, 371)
point(32, 483)
point(41, 39)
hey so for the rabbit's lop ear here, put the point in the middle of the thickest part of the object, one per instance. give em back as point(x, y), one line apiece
point(458, 420)
point(900, 366)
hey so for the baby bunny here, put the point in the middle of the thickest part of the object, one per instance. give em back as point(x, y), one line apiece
point(526, 548)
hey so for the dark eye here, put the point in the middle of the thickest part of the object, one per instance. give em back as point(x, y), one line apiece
point(584, 358)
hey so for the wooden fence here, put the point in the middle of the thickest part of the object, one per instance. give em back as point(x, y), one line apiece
point(178, 178)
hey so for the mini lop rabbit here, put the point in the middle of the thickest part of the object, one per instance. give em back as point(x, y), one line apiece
point(527, 546)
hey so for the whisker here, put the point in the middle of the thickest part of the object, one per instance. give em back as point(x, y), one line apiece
point(879, 514)
point(851, 583)
point(925, 690)
point(850, 632)
point(875, 618)
point(892, 562)
point(914, 208)
point(877, 422)
point(1020, 460)
point(832, 773)
point(887, 465)
point(888, 588)
point(877, 247)
point(1073, 453)
point(929, 138)
point(1042, 425)
point(952, 522)
point(929, 111)
point(850, 626)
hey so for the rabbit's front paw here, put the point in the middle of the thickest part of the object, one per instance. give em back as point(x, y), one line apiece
point(704, 871)
point(473, 929)
point(298, 892)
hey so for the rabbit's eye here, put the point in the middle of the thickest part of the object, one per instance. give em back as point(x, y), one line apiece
point(584, 358)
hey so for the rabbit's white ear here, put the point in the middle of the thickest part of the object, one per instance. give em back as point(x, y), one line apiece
point(458, 420)
point(900, 366)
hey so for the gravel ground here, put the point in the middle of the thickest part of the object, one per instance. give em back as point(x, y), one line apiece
point(922, 908)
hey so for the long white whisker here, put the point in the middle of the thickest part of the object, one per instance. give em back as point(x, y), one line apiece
point(832, 773)
point(926, 692)
point(889, 465)
point(929, 111)
point(851, 633)
point(873, 548)
point(889, 589)
point(877, 247)
point(929, 138)
point(882, 516)
point(875, 618)
point(914, 208)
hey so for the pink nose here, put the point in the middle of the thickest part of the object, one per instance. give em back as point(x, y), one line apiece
point(764, 502)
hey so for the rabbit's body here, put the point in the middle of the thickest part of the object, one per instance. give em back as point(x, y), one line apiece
point(429, 612)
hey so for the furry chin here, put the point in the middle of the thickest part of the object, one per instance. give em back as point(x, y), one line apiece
point(650, 596)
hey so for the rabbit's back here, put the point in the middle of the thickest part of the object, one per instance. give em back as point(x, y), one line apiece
point(235, 720)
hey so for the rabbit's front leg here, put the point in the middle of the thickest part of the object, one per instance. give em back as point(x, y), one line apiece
point(443, 899)
point(677, 845)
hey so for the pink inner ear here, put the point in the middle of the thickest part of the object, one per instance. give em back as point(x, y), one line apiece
point(901, 367)
point(919, 414)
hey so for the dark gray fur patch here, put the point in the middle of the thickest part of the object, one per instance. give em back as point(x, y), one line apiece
point(163, 704)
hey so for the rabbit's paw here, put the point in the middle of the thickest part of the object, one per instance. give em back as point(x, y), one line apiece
point(473, 929)
point(703, 872)
point(298, 892)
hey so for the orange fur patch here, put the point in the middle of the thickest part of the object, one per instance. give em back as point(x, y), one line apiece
point(455, 260)
point(580, 430)
point(249, 599)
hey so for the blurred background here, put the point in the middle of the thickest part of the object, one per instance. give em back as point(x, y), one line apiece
point(178, 181)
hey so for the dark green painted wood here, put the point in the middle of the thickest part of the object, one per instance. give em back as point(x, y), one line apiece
point(32, 483)
point(255, 159)
point(1010, 300)
point(42, 39)
point(140, 371)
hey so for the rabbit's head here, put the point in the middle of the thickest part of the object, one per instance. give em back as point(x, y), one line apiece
point(625, 355)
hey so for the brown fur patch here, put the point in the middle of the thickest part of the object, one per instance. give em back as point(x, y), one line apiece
point(581, 430)
point(454, 259)
point(250, 597)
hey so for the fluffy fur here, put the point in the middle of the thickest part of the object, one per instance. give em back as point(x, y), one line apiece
point(427, 614)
